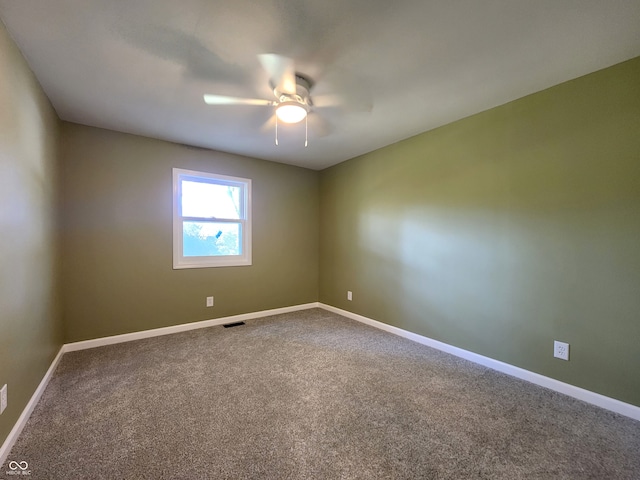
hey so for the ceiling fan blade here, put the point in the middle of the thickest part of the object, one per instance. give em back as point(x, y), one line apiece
point(328, 100)
point(225, 100)
point(345, 91)
point(318, 125)
point(358, 102)
point(281, 70)
point(269, 125)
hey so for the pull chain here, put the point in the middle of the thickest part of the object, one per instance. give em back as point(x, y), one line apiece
point(306, 130)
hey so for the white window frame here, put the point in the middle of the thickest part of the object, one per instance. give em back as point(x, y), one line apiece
point(179, 260)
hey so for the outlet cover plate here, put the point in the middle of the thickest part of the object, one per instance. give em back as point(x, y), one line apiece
point(561, 350)
point(209, 301)
point(3, 398)
point(349, 296)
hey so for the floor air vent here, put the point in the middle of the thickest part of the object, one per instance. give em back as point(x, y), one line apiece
point(236, 324)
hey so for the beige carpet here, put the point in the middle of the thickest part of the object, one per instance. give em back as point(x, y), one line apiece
point(309, 395)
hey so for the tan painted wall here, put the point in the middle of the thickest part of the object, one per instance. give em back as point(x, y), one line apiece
point(117, 236)
point(504, 231)
point(30, 329)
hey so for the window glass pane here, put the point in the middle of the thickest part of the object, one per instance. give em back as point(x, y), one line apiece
point(206, 239)
point(209, 200)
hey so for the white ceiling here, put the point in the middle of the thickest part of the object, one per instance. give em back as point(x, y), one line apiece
point(142, 66)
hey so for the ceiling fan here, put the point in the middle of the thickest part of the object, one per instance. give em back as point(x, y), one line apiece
point(292, 95)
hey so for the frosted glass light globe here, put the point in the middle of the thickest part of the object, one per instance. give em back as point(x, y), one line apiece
point(291, 112)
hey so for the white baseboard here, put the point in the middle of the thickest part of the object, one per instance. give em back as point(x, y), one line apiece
point(156, 332)
point(585, 395)
point(26, 413)
point(588, 396)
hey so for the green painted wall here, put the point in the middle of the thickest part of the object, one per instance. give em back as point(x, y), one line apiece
point(30, 328)
point(117, 236)
point(504, 231)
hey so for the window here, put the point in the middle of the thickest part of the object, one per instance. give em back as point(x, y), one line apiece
point(211, 220)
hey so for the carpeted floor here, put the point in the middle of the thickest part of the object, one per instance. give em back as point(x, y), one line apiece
point(309, 395)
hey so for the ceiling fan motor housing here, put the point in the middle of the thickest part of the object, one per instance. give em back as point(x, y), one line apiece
point(301, 97)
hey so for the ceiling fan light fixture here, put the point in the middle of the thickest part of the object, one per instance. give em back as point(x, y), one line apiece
point(291, 112)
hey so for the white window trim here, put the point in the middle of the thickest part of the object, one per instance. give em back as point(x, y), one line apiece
point(179, 260)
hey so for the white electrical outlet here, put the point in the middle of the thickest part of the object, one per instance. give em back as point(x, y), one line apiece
point(349, 296)
point(209, 301)
point(561, 350)
point(3, 398)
